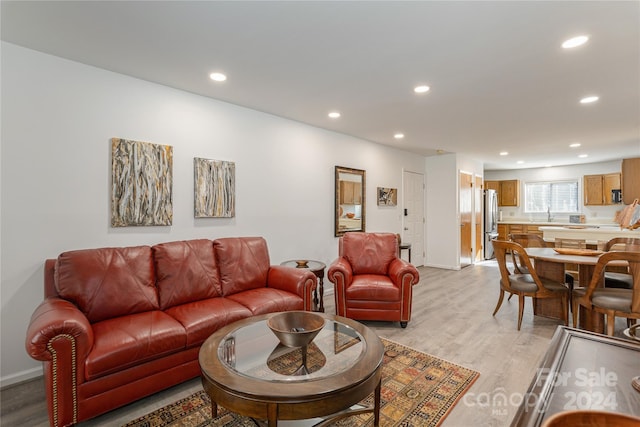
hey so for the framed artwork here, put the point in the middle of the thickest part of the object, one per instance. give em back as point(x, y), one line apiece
point(214, 188)
point(141, 183)
point(387, 196)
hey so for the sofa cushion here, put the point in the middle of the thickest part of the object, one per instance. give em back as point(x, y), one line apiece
point(108, 282)
point(268, 300)
point(243, 263)
point(186, 271)
point(130, 340)
point(370, 253)
point(202, 318)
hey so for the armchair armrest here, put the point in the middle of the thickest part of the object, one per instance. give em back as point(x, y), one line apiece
point(340, 272)
point(341, 275)
point(298, 281)
point(403, 273)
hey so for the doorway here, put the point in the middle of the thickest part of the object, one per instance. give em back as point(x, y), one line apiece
point(413, 215)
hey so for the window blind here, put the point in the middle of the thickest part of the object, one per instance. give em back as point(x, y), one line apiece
point(557, 196)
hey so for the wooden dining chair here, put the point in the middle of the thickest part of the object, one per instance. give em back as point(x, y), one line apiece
point(526, 240)
point(620, 277)
point(571, 243)
point(526, 285)
point(571, 270)
point(612, 302)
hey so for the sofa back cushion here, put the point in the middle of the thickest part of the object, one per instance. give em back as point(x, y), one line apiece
point(370, 253)
point(186, 271)
point(243, 262)
point(108, 282)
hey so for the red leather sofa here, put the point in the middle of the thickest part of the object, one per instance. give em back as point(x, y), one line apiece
point(371, 281)
point(119, 324)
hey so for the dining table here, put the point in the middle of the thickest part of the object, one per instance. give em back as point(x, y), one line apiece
point(550, 264)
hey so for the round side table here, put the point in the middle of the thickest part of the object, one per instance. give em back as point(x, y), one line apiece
point(316, 268)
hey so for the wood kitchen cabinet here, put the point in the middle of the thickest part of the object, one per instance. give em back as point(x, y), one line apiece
point(508, 191)
point(630, 180)
point(597, 188)
point(492, 185)
point(509, 194)
point(350, 193)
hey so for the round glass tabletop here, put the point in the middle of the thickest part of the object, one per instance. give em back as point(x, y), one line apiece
point(253, 351)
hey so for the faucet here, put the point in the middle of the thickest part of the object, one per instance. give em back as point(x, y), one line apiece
point(549, 217)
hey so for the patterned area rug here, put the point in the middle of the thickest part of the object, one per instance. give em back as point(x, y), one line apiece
point(417, 390)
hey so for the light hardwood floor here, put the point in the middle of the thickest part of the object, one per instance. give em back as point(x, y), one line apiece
point(451, 319)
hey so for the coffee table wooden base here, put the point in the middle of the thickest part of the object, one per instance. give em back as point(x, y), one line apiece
point(305, 408)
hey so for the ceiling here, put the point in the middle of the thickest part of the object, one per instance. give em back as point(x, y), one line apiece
point(499, 79)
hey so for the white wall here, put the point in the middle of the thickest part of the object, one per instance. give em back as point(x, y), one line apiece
point(442, 208)
point(442, 230)
point(57, 120)
point(602, 214)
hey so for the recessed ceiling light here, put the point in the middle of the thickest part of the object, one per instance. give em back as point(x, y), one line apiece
point(504, 153)
point(589, 99)
point(334, 114)
point(421, 89)
point(217, 77)
point(582, 156)
point(575, 145)
point(520, 162)
point(398, 135)
point(575, 42)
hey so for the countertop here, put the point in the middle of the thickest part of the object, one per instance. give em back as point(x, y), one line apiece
point(559, 224)
point(592, 235)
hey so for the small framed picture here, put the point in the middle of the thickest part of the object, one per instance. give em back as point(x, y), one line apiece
point(387, 196)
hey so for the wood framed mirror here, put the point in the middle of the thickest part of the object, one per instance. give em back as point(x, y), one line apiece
point(350, 200)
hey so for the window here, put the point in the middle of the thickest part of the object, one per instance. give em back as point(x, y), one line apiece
point(558, 196)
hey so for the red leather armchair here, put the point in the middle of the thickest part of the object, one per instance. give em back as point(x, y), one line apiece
point(371, 281)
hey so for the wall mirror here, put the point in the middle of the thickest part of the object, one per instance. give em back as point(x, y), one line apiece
point(350, 200)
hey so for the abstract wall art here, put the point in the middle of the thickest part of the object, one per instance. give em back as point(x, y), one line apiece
point(215, 188)
point(141, 183)
point(387, 196)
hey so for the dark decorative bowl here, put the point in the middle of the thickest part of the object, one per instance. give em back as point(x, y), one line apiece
point(296, 328)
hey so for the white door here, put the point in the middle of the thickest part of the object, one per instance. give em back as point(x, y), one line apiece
point(413, 216)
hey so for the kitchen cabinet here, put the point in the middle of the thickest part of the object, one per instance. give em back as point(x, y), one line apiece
point(504, 230)
point(492, 185)
point(534, 229)
point(508, 191)
point(350, 193)
point(630, 180)
point(509, 194)
point(597, 188)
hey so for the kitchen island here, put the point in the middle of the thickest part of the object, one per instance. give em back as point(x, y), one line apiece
point(593, 234)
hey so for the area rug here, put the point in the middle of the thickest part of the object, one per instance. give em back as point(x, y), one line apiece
point(417, 390)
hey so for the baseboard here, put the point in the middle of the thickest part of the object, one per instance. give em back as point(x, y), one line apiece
point(20, 377)
point(445, 267)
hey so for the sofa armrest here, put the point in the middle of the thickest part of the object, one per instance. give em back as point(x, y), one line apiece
point(301, 282)
point(402, 273)
point(60, 335)
point(55, 319)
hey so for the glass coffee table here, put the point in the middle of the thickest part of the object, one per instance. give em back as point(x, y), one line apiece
point(246, 369)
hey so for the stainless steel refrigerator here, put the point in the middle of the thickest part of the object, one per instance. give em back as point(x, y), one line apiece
point(490, 221)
